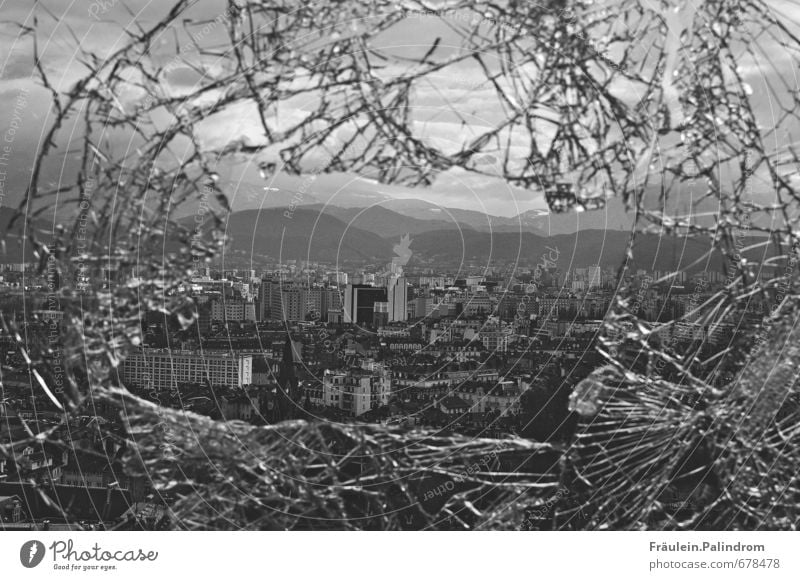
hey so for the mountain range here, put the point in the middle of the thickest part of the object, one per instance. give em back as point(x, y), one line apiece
point(322, 232)
point(368, 236)
point(374, 211)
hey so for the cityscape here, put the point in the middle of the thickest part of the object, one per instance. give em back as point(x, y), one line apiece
point(481, 352)
point(398, 266)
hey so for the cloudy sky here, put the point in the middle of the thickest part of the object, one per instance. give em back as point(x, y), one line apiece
point(103, 26)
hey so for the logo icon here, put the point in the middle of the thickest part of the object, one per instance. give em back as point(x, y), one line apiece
point(32, 553)
point(403, 253)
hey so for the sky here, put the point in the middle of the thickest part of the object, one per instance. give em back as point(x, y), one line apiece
point(102, 26)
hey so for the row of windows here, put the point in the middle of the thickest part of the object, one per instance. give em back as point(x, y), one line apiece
point(184, 363)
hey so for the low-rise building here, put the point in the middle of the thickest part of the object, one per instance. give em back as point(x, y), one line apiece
point(356, 391)
point(164, 369)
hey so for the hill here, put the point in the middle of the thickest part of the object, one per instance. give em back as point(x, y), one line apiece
point(303, 235)
point(585, 248)
point(384, 222)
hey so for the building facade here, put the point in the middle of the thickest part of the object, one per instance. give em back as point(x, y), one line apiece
point(356, 391)
point(398, 299)
point(359, 303)
point(164, 369)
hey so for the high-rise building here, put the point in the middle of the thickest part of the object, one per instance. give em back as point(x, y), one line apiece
point(296, 303)
point(233, 310)
point(334, 299)
point(423, 306)
point(398, 299)
point(286, 302)
point(314, 303)
point(268, 286)
point(359, 303)
point(203, 319)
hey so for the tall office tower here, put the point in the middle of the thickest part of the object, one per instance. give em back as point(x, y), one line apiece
point(359, 303)
point(333, 299)
point(287, 301)
point(314, 303)
point(293, 303)
point(265, 295)
point(398, 299)
point(348, 307)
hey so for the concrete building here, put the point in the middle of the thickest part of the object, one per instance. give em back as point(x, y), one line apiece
point(297, 303)
point(359, 303)
point(233, 310)
point(398, 298)
point(164, 369)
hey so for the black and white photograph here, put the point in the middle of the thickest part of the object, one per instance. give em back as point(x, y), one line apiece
point(527, 267)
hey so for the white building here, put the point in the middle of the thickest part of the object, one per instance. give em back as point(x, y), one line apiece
point(356, 391)
point(233, 310)
point(398, 298)
point(164, 369)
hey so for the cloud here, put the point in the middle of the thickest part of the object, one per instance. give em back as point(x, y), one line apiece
point(18, 65)
point(450, 110)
